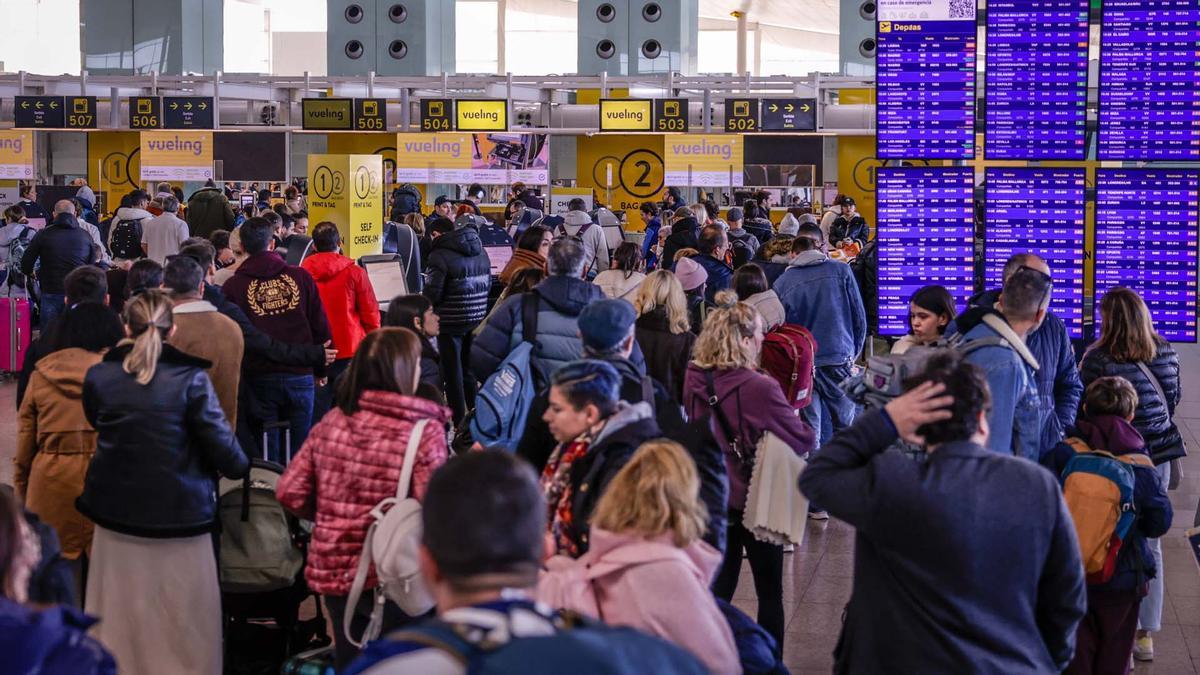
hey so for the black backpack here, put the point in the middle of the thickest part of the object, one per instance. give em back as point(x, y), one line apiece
point(742, 251)
point(125, 241)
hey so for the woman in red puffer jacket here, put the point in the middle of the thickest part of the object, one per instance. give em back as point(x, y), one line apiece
point(351, 461)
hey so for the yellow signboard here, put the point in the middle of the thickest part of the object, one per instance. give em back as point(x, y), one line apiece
point(347, 190)
point(704, 160)
point(625, 114)
point(16, 155)
point(176, 155)
point(482, 114)
point(624, 170)
point(433, 158)
point(327, 114)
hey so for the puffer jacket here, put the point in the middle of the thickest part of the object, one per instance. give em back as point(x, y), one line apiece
point(55, 443)
point(60, 248)
point(684, 234)
point(619, 284)
point(350, 463)
point(159, 449)
point(720, 276)
point(348, 299)
point(1155, 418)
point(207, 211)
point(460, 277)
point(560, 300)
point(854, 228)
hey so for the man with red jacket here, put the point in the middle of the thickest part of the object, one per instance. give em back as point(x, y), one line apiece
point(349, 300)
point(282, 301)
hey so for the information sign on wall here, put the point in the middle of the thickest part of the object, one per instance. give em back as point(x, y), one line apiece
point(16, 155)
point(704, 160)
point(176, 155)
point(347, 190)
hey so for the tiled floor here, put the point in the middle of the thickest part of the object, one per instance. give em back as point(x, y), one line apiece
point(818, 577)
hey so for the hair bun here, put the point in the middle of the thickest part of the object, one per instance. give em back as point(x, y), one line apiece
point(726, 299)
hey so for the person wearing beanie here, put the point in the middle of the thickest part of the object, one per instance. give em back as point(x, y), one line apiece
point(789, 225)
point(694, 278)
point(742, 243)
point(685, 233)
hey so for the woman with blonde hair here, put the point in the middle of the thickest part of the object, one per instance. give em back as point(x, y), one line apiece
point(161, 439)
point(663, 329)
point(647, 567)
point(748, 403)
point(1130, 348)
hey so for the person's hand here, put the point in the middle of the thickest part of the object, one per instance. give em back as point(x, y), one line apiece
point(913, 409)
point(330, 352)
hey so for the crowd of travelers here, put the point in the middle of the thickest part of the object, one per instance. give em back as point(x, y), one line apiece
point(552, 466)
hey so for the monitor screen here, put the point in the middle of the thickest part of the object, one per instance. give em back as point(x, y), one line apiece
point(1149, 80)
point(387, 279)
point(925, 87)
point(1036, 79)
point(926, 236)
point(1146, 239)
point(1039, 211)
point(499, 257)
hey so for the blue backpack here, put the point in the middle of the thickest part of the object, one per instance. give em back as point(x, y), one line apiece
point(756, 648)
point(579, 645)
point(503, 401)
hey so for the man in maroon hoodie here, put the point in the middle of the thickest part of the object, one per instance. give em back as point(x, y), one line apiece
point(282, 301)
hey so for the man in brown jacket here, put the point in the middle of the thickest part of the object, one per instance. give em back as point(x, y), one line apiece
point(200, 330)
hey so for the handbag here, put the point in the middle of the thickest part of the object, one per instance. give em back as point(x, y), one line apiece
point(1176, 465)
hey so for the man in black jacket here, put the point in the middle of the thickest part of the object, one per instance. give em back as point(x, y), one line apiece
point(941, 584)
point(459, 278)
point(685, 233)
point(60, 248)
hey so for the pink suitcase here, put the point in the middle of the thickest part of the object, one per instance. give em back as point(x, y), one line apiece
point(14, 333)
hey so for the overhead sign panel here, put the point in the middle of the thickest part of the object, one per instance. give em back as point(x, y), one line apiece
point(704, 160)
point(481, 114)
point(626, 114)
point(789, 114)
point(671, 114)
point(370, 114)
point(188, 112)
point(741, 114)
point(437, 114)
point(145, 112)
point(39, 112)
point(327, 114)
point(80, 112)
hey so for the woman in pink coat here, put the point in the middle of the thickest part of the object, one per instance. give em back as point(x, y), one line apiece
point(647, 567)
point(351, 461)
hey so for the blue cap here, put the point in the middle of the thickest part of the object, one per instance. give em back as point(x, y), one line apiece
point(605, 323)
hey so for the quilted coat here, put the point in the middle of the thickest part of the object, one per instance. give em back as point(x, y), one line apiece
point(1154, 418)
point(350, 463)
point(460, 276)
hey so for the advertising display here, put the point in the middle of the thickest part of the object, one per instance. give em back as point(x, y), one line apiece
point(347, 190)
point(926, 234)
point(176, 155)
point(1039, 210)
point(487, 159)
point(1146, 239)
point(1149, 80)
point(925, 79)
point(1036, 79)
point(16, 155)
point(704, 160)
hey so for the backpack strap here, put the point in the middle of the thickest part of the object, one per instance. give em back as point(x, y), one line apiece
point(1142, 366)
point(437, 634)
point(403, 490)
point(1077, 445)
point(1001, 327)
point(529, 317)
point(648, 392)
point(715, 404)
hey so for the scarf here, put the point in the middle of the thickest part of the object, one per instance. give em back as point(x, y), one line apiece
point(556, 483)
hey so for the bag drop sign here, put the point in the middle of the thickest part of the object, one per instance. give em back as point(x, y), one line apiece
point(176, 155)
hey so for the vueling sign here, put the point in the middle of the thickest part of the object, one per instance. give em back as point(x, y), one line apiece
point(625, 115)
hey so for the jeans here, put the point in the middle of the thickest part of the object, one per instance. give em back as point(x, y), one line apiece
point(1150, 613)
point(51, 306)
point(766, 566)
point(324, 397)
point(280, 398)
point(455, 351)
point(831, 410)
point(344, 652)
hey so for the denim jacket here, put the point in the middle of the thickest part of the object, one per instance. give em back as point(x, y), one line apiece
point(821, 295)
point(1016, 418)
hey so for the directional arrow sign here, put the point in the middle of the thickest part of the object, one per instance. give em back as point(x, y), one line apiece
point(187, 106)
point(203, 105)
point(39, 112)
point(805, 108)
point(25, 105)
point(188, 112)
point(790, 114)
point(174, 105)
point(38, 105)
point(774, 108)
point(790, 108)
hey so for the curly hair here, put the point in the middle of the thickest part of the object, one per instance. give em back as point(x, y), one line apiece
point(720, 343)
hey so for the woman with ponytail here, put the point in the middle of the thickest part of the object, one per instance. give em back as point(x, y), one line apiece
point(151, 490)
point(749, 403)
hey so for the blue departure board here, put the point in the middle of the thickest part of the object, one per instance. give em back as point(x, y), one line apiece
point(1036, 79)
point(1146, 239)
point(1039, 211)
point(925, 89)
point(1149, 80)
point(926, 233)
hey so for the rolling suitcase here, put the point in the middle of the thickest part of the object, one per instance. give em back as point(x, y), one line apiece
point(14, 334)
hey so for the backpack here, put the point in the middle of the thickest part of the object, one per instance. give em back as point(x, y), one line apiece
point(742, 251)
point(579, 645)
point(578, 236)
point(757, 650)
point(502, 403)
point(258, 551)
point(1098, 489)
point(125, 240)
point(391, 545)
point(16, 251)
point(405, 200)
point(788, 354)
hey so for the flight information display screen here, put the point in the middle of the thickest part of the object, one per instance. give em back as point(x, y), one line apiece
point(925, 88)
point(1149, 80)
point(1146, 239)
point(1036, 79)
point(1039, 211)
point(926, 233)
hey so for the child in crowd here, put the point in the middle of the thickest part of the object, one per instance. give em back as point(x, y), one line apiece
point(930, 310)
point(1105, 638)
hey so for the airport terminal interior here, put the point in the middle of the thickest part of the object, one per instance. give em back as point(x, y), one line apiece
point(599, 336)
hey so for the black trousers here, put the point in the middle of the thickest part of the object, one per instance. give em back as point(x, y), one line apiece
point(766, 565)
point(455, 351)
point(344, 652)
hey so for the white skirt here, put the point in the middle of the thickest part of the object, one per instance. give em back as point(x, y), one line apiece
point(158, 602)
